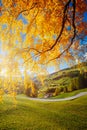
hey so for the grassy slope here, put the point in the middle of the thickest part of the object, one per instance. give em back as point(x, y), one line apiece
point(63, 81)
point(34, 115)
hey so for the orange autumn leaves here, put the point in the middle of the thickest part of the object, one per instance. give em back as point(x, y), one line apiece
point(42, 22)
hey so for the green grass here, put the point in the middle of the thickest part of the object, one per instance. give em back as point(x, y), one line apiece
point(35, 115)
point(69, 94)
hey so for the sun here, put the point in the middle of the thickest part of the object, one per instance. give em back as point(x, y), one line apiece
point(3, 72)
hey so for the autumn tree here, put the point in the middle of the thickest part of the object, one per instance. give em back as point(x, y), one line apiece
point(50, 27)
point(38, 33)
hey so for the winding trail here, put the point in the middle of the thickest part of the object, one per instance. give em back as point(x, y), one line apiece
point(58, 100)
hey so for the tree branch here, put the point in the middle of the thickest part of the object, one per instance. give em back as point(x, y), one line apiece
point(74, 33)
point(62, 28)
point(61, 31)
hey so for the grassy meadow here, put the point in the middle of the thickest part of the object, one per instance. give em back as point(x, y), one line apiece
point(36, 115)
point(25, 114)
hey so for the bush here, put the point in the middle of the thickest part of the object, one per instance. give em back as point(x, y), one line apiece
point(76, 83)
point(79, 82)
point(71, 87)
point(28, 92)
point(57, 91)
point(65, 89)
point(31, 91)
point(50, 90)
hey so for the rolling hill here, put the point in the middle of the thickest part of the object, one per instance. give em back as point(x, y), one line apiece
point(66, 80)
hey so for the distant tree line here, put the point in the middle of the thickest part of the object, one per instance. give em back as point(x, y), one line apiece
point(79, 82)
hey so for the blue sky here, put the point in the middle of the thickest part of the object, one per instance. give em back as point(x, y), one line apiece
point(85, 17)
point(20, 17)
point(51, 69)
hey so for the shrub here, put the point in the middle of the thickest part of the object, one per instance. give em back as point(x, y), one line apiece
point(28, 92)
point(50, 90)
point(79, 82)
point(76, 83)
point(70, 88)
point(31, 91)
point(57, 91)
point(65, 89)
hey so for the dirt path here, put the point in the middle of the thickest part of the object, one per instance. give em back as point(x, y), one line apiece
point(61, 99)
